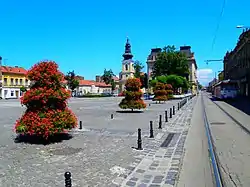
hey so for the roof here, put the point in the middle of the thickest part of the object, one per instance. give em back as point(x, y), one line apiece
point(13, 70)
point(91, 82)
point(115, 78)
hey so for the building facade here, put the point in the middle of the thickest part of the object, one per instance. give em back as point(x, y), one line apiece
point(192, 68)
point(237, 63)
point(151, 61)
point(13, 78)
point(93, 87)
point(1, 77)
point(127, 66)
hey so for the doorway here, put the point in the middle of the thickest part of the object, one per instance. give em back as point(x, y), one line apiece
point(17, 94)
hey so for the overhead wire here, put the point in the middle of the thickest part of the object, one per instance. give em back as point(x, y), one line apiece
point(218, 24)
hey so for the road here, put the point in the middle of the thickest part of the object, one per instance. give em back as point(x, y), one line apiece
point(231, 142)
point(99, 155)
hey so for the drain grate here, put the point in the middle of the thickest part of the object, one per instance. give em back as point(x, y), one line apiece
point(168, 140)
point(217, 123)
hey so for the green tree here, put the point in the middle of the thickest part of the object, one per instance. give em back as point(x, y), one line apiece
point(23, 89)
point(113, 85)
point(175, 80)
point(138, 69)
point(72, 81)
point(169, 62)
point(200, 86)
point(107, 76)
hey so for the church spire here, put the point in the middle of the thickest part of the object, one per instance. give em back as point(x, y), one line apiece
point(127, 55)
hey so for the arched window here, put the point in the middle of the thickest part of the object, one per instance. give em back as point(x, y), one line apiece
point(126, 67)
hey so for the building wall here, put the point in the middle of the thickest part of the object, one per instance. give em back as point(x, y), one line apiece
point(12, 84)
point(237, 63)
point(92, 89)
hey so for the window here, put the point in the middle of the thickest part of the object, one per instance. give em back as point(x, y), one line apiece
point(12, 93)
point(126, 67)
point(16, 81)
point(126, 75)
point(11, 81)
point(26, 82)
point(21, 81)
point(5, 81)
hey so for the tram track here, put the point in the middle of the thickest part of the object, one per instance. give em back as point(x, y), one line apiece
point(211, 148)
point(232, 118)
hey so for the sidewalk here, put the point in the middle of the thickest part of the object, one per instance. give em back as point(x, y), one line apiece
point(196, 170)
point(158, 165)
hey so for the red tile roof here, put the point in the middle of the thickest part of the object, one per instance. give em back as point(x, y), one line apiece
point(14, 70)
point(115, 78)
point(91, 82)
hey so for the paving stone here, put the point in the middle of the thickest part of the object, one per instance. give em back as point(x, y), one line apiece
point(140, 171)
point(131, 183)
point(148, 176)
point(142, 185)
point(146, 181)
point(154, 185)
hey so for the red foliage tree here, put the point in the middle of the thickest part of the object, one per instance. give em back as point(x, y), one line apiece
point(46, 101)
point(133, 95)
point(160, 92)
point(169, 90)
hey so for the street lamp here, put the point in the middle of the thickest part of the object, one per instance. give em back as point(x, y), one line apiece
point(242, 27)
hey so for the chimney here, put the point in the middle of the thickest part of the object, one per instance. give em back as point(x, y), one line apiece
point(186, 50)
point(98, 78)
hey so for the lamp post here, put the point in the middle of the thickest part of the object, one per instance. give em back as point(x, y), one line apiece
point(242, 27)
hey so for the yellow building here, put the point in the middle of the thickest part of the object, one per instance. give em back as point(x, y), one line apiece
point(13, 78)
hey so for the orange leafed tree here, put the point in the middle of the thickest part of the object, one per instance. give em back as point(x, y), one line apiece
point(133, 95)
point(46, 101)
point(160, 92)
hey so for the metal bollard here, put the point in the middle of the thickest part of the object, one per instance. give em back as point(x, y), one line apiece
point(112, 116)
point(160, 122)
point(67, 176)
point(151, 130)
point(139, 141)
point(178, 106)
point(170, 113)
point(173, 110)
point(149, 104)
point(80, 125)
point(166, 116)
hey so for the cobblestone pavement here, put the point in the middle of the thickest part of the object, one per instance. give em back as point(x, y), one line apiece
point(95, 156)
point(157, 165)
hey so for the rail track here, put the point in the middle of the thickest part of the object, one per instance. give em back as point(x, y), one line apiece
point(212, 152)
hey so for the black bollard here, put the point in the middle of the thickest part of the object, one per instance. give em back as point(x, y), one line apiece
point(160, 121)
point(80, 125)
point(151, 130)
point(173, 110)
point(67, 176)
point(112, 116)
point(178, 106)
point(139, 141)
point(149, 104)
point(166, 116)
point(170, 113)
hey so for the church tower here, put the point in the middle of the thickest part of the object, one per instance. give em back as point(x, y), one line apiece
point(127, 66)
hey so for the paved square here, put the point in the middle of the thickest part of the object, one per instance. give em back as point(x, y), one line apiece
point(99, 155)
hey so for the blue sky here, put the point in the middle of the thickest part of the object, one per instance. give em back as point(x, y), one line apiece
point(88, 36)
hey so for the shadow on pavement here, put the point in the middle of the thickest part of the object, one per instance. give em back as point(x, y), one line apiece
point(129, 111)
point(242, 104)
point(34, 139)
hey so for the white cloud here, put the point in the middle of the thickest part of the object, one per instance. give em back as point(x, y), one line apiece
point(205, 76)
